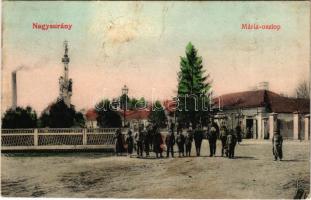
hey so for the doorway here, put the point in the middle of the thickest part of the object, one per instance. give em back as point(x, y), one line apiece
point(249, 128)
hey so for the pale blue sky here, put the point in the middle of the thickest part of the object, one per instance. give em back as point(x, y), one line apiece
point(139, 44)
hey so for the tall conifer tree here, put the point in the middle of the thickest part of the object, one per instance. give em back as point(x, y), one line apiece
point(193, 88)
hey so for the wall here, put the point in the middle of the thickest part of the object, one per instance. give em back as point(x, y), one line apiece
point(285, 122)
point(233, 116)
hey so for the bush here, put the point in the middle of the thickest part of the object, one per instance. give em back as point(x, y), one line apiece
point(20, 118)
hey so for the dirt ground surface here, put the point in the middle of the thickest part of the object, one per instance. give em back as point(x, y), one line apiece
point(252, 174)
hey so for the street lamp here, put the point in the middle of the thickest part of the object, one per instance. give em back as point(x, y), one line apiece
point(125, 91)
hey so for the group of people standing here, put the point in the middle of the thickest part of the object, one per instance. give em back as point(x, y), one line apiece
point(149, 138)
point(145, 140)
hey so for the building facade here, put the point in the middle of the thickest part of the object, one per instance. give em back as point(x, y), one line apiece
point(262, 112)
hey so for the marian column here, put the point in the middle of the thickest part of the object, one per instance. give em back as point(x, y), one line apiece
point(65, 84)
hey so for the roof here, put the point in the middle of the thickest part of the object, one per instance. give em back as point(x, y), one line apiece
point(247, 99)
point(262, 98)
point(169, 105)
point(289, 105)
point(136, 114)
point(91, 114)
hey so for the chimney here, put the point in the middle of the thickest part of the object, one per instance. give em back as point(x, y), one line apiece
point(14, 90)
point(263, 85)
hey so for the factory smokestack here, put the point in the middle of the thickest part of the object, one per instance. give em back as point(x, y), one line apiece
point(14, 91)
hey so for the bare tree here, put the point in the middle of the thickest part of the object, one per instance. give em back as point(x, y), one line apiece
point(303, 90)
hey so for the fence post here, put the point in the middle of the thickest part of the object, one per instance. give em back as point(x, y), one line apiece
point(84, 140)
point(35, 137)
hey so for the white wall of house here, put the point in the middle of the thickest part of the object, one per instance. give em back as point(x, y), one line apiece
point(134, 123)
point(261, 122)
point(91, 124)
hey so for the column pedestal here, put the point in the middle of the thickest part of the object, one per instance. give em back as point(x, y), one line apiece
point(260, 126)
point(307, 127)
point(296, 126)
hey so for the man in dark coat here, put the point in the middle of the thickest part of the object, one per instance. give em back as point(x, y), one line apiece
point(146, 141)
point(231, 142)
point(238, 131)
point(180, 140)
point(277, 143)
point(119, 142)
point(172, 127)
point(129, 142)
point(198, 137)
point(188, 142)
point(179, 128)
point(223, 138)
point(212, 139)
point(139, 142)
point(158, 143)
point(150, 134)
point(170, 141)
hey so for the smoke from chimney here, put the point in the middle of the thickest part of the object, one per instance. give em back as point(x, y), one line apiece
point(14, 91)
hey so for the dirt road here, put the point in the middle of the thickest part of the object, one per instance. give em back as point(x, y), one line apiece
point(253, 174)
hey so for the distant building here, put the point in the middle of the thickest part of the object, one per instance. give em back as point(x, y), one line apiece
point(170, 108)
point(134, 118)
point(263, 112)
point(91, 118)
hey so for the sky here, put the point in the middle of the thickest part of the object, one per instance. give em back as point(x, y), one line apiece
point(139, 44)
